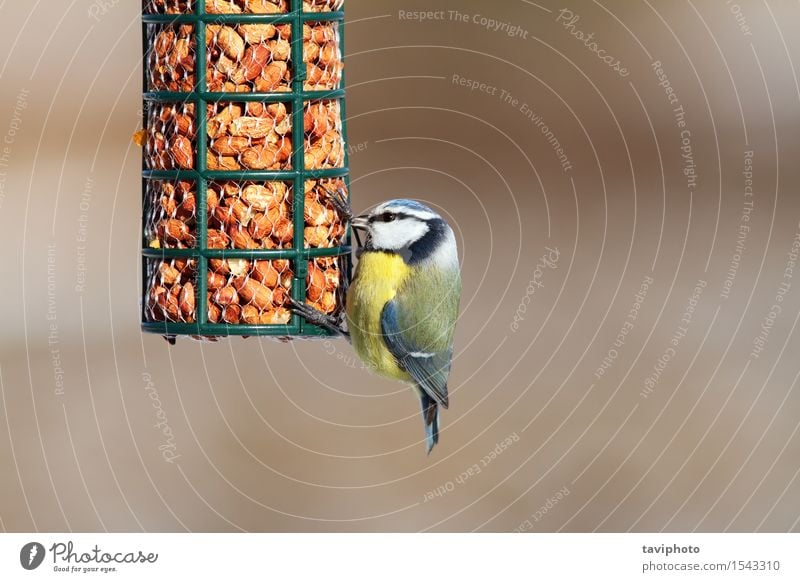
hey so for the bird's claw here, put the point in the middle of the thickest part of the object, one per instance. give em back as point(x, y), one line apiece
point(338, 200)
point(341, 205)
point(317, 317)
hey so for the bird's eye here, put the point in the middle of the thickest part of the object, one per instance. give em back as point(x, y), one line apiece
point(387, 217)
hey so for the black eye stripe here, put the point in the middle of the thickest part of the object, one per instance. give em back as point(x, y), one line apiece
point(390, 217)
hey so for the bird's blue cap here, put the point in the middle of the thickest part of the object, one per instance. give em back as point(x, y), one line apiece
point(408, 204)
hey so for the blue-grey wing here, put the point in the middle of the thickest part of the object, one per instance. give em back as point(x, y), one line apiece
point(430, 369)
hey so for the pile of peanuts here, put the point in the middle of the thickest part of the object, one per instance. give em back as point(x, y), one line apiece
point(322, 5)
point(322, 56)
point(241, 215)
point(322, 284)
point(323, 229)
point(168, 6)
point(324, 142)
point(171, 215)
point(250, 136)
point(224, 6)
point(248, 292)
point(241, 136)
point(323, 225)
point(170, 136)
point(243, 58)
point(249, 58)
point(171, 58)
point(171, 291)
point(250, 216)
point(247, 6)
point(171, 223)
point(255, 292)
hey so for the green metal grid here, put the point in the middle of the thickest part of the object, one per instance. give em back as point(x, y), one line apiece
point(298, 97)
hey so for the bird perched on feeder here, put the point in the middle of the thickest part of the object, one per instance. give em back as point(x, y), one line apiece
point(402, 304)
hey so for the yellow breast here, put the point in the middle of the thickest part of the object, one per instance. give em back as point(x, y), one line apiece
point(378, 277)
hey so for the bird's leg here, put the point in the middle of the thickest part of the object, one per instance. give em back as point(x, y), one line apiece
point(318, 318)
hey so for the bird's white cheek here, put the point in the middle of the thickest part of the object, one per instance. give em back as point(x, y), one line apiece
point(397, 235)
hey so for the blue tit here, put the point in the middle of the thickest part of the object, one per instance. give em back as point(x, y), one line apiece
point(403, 302)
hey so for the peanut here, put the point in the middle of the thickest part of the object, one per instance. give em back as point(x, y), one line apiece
point(214, 313)
point(230, 145)
point(217, 239)
point(250, 315)
point(226, 296)
point(241, 239)
point(261, 198)
point(222, 162)
point(252, 127)
point(328, 302)
point(284, 230)
point(265, 273)
point(222, 7)
point(215, 281)
point(231, 43)
point(169, 274)
point(316, 236)
point(261, 227)
point(182, 152)
point(316, 282)
point(280, 49)
point(260, 158)
point(232, 314)
point(239, 267)
point(255, 59)
point(186, 301)
point(253, 292)
point(263, 7)
point(257, 33)
point(322, 5)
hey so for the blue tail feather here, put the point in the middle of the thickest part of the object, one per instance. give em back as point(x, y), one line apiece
point(430, 416)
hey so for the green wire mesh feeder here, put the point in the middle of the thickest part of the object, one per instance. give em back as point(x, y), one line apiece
point(244, 142)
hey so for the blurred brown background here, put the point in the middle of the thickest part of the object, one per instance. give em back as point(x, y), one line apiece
point(296, 437)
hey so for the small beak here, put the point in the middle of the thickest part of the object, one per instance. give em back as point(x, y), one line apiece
point(360, 222)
